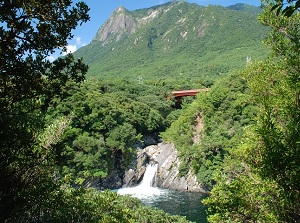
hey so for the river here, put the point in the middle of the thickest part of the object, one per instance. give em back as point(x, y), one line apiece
point(173, 202)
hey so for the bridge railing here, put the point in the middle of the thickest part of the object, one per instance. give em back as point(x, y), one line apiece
point(191, 92)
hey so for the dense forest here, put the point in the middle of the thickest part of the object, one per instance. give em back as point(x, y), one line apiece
point(106, 121)
point(223, 112)
point(59, 131)
point(49, 144)
point(259, 179)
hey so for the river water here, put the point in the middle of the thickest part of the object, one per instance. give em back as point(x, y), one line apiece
point(172, 202)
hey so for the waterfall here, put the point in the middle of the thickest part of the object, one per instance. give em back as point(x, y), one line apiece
point(144, 189)
point(148, 176)
point(172, 202)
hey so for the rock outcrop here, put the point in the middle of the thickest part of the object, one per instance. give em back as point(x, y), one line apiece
point(167, 176)
point(166, 156)
point(118, 25)
point(134, 175)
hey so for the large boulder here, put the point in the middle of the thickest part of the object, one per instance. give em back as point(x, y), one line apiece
point(168, 171)
point(166, 156)
point(137, 169)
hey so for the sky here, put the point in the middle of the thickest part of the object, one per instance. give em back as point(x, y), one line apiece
point(101, 10)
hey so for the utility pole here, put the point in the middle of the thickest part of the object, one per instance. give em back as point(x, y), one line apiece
point(248, 61)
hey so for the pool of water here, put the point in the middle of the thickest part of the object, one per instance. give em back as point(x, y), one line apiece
point(180, 203)
point(173, 202)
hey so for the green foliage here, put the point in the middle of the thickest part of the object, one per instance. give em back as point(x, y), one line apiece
point(241, 194)
point(211, 126)
point(262, 182)
point(244, 199)
point(29, 33)
point(286, 8)
point(121, 136)
point(107, 119)
point(190, 45)
point(53, 132)
point(36, 39)
point(88, 205)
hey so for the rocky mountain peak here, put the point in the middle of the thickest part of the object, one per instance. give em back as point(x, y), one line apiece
point(119, 24)
point(175, 39)
point(120, 9)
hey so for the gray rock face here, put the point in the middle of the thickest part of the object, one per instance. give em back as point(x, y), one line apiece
point(167, 176)
point(168, 169)
point(119, 24)
point(134, 175)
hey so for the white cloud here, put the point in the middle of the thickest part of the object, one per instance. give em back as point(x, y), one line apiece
point(70, 49)
point(78, 41)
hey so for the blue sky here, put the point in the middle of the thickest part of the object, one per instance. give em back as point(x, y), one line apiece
point(100, 11)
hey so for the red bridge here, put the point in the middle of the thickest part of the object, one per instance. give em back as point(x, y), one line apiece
point(192, 92)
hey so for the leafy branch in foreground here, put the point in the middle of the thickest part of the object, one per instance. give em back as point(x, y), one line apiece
point(30, 31)
point(260, 181)
point(67, 204)
point(285, 7)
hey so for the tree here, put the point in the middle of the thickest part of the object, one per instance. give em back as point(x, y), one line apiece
point(31, 31)
point(286, 7)
point(260, 181)
point(279, 98)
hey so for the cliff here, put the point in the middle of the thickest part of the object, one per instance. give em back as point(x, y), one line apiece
point(168, 175)
point(119, 24)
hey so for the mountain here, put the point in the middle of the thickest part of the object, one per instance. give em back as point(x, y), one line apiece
point(246, 8)
point(180, 43)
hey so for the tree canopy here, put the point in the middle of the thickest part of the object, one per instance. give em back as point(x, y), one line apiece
point(31, 186)
point(30, 31)
point(285, 7)
point(260, 178)
point(107, 121)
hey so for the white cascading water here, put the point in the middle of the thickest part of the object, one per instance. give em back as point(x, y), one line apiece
point(144, 189)
point(149, 176)
point(172, 202)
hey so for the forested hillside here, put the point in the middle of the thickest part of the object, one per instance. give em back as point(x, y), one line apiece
point(34, 184)
point(107, 120)
point(181, 44)
point(65, 127)
point(211, 126)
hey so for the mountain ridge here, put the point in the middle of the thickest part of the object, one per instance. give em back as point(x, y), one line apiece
point(174, 39)
point(124, 19)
